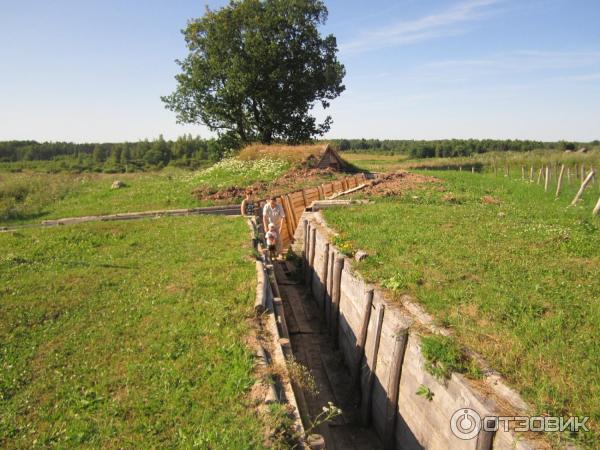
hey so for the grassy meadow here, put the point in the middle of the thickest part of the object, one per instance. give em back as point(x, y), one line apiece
point(127, 335)
point(33, 196)
point(483, 162)
point(512, 271)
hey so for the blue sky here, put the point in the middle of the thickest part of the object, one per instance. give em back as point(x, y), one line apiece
point(93, 70)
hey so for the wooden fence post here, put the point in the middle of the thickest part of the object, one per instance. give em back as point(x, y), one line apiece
point(325, 273)
point(336, 289)
point(569, 175)
point(472, 169)
point(559, 182)
point(305, 200)
point(327, 311)
point(582, 187)
point(485, 439)
point(401, 339)
point(539, 175)
point(547, 178)
point(304, 248)
point(289, 220)
point(596, 208)
point(311, 255)
point(321, 193)
point(523, 173)
point(361, 340)
point(531, 174)
point(367, 389)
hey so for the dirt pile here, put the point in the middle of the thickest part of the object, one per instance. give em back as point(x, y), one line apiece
point(294, 179)
point(396, 183)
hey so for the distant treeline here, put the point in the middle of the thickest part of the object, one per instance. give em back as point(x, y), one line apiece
point(185, 151)
point(449, 147)
point(194, 152)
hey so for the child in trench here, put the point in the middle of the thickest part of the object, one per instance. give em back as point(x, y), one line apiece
point(271, 238)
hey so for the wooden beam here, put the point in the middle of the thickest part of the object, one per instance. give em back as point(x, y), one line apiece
point(338, 266)
point(361, 340)
point(304, 246)
point(327, 311)
point(311, 255)
point(596, 208)
point(560, 178)
point(325, 273)
point(367, 388)
point(582, 187)
point(393, 388)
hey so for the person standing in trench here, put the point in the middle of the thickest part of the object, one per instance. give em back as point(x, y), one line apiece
point(273, 213)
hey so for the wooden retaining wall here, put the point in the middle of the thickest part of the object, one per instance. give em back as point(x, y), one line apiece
point(295, 203)
point(383, 352)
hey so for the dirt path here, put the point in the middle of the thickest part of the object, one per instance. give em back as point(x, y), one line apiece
point(313, 348)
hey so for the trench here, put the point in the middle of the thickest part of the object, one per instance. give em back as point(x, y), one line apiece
point(314, 348)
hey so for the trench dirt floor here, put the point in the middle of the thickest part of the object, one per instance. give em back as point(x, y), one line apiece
point(314, 348)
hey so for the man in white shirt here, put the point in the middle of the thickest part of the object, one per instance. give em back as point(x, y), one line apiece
point(273, 213)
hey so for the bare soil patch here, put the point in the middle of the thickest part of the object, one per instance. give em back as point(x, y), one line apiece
point(397, 183)
point(294, 179)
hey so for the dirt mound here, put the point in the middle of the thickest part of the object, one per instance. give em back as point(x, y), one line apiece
point(294, 179)
point(396, 183)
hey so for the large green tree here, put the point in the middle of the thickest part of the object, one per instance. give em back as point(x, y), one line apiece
point(256, 69)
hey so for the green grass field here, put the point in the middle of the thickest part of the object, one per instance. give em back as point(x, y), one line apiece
point(375, 162)
point(27, 197)
point(128, 335)
point(486, 162)
point(514, 276)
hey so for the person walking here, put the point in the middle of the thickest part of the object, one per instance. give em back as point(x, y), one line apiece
point(273, 213)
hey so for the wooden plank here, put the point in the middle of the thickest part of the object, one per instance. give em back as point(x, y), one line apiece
point(393, 387)
point(485, 440)
point(307, 254)
point(324, 274)
point(367, 388)
point(582, 187)
point(361, 340)
point(304, 198)
point(311, 255)
point(304, 246)
point(292, 215)
point(596, 208)
point(560, 178)
point(327, 311)
point(338, 266)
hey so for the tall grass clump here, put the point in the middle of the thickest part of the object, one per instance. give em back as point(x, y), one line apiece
point(26, 197)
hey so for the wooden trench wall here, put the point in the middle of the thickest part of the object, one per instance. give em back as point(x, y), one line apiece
point(294, 204)
point(383, 353)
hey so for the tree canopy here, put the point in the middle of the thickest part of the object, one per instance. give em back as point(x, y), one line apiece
point(256, 69)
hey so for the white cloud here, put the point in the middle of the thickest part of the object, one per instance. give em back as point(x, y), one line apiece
point(522, 61)
point(444, 23)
